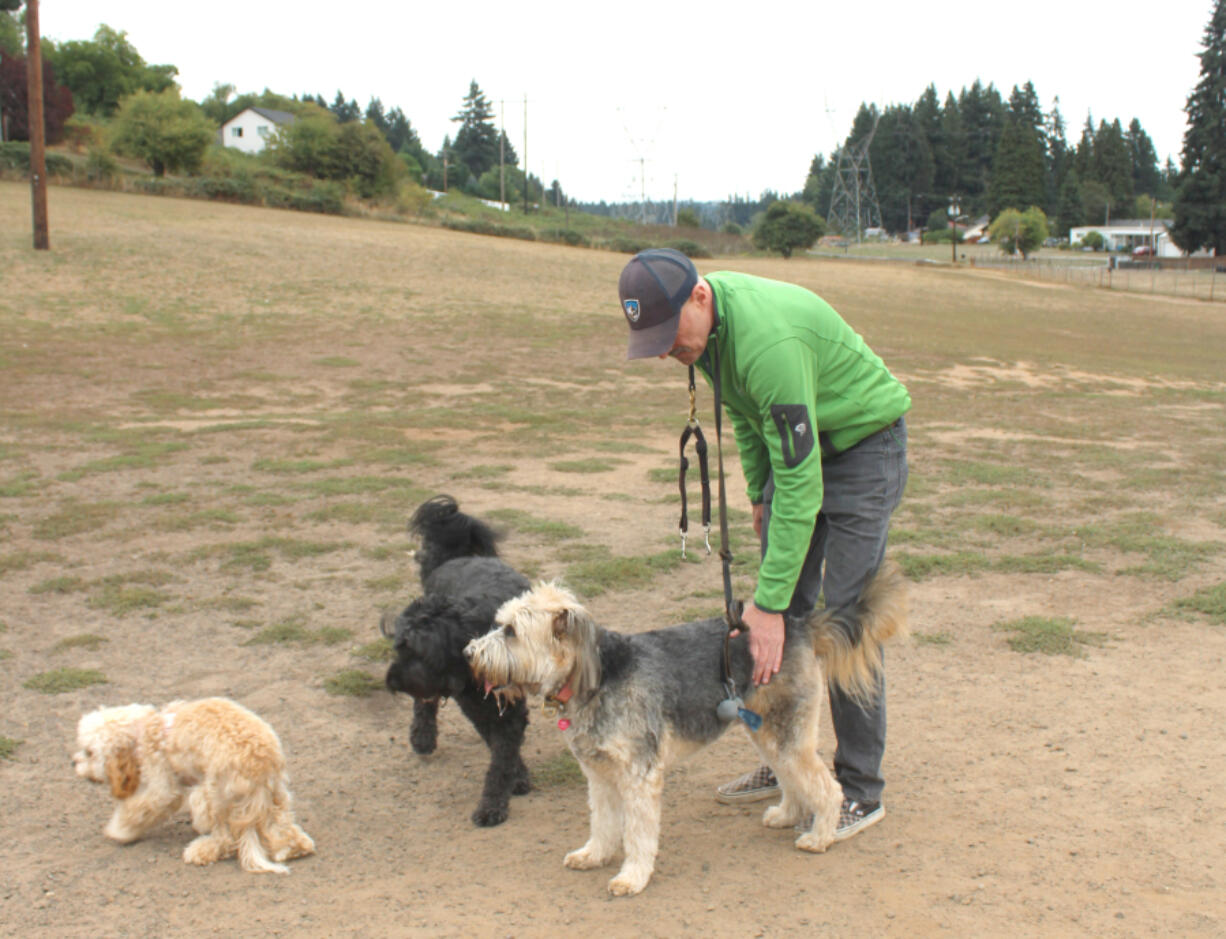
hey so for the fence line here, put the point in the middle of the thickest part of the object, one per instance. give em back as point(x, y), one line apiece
point(1198, 283)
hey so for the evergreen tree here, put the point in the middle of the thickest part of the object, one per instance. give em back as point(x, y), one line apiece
point(983, 119)
point(902, 168)
point(1059, 158)
point(1200, 199)
point(345, 111)
point(1070, 211)
point(1018, 171)
point(1146, 177)
point(376, 116)
point(1083, 156)
point(947, 170)
point(1113, 166)
point(476, 142)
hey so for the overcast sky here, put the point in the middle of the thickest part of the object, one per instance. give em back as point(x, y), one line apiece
point(704, 100)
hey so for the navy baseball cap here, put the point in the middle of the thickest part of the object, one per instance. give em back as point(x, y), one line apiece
point(654, 286)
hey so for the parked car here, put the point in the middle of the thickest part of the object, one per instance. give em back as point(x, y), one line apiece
point(1141, 251)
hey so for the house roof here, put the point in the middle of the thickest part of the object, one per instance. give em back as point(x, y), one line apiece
point(277, 117)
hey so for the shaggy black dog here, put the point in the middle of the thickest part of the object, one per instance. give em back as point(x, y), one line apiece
point(464, 583)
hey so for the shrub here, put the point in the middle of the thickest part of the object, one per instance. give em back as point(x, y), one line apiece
point(691, 249)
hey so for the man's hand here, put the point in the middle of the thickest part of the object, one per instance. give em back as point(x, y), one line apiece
point(765, 641)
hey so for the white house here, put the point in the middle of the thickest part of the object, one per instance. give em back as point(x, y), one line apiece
point(250, 128)
point(1128, 234)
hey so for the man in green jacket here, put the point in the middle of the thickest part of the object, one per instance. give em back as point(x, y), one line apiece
point(818, 420)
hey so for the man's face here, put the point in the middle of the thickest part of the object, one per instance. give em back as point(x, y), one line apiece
point(691, 335)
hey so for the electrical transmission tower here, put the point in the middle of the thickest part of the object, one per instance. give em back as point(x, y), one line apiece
point(853, 203)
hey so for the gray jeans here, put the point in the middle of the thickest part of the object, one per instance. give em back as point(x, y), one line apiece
point(861, 488)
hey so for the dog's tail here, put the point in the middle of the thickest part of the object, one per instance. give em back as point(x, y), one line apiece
point(256, 806)
point(447, 533)
point(849, 640)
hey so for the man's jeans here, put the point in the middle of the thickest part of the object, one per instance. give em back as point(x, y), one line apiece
point(862, 487)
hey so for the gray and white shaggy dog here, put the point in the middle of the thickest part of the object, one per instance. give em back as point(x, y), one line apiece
point(630, 705)
point(465, 583)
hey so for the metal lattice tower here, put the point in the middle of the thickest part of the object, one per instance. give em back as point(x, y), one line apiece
point(853, 203)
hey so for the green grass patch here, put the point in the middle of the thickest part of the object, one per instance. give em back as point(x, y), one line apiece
point(352, 682)
point(20, 485)
point(964, 473)
point(230, 604)
point(257, 555)
point(211, 518)
point(8, 746)
point(955, 564)
point(659, 474)
point(143, 456)
point(1044, 564)
point(557, 771)
point(380, 650)
point(61, 680)
point(1005, 526)
point(484, 471)
point(528, 524)
point(75, 518)
point(353, 513)
point(166, 498)
point(337, 361)
point(1210, 601)
point(90, 641)
point(933, 639)
point(585, 466)
point(295, 467)
point(603, 571)
point(23, 560)
point(294, 629)
point(390, 583)
point(1048, 635)
point(121, 594)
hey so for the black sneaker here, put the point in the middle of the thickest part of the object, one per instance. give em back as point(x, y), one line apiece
point(855, 816)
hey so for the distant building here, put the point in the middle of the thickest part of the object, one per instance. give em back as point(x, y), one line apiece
point(1127, 235)
point(250, 129)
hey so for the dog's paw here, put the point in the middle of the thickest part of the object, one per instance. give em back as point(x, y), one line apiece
point(814, 842)
point(424, 740)
point(777, 816)
point(522, 785)
point(584, 859)
point(628, 884)
point(204, 850)
point(487, 816)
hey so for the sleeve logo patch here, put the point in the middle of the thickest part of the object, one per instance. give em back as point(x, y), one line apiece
point(795, 437)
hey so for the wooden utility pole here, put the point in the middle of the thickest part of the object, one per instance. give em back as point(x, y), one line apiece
point(38, 149)
point(525, 154)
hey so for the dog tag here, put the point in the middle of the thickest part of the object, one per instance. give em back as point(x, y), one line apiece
point(564, 723)
point(728, 709)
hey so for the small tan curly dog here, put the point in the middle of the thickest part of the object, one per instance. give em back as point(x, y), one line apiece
point(222, 757)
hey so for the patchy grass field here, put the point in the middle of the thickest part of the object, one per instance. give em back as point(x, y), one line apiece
point(215, 420)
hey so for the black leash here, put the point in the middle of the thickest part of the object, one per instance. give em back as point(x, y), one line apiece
point(732, 706)
point(692, 429)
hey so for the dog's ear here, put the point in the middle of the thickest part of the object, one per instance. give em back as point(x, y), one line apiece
point(123, 770)
point(562, 624)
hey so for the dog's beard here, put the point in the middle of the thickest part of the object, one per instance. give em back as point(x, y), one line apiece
point(499, 671)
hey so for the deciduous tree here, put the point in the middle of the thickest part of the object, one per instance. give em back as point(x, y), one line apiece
point(102, 71)
point(1015, 231)
point(166, 131)
point(787, 226)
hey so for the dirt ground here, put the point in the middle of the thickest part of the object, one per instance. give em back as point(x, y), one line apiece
point(1028, 795)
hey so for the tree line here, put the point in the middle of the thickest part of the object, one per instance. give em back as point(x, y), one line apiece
point(985, 154)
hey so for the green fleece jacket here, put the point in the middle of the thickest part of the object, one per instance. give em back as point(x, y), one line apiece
point(796, 381)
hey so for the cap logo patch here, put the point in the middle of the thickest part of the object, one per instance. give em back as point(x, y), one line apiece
point(632, 310)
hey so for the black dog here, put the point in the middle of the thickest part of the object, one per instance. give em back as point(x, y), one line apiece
point(465, 583)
